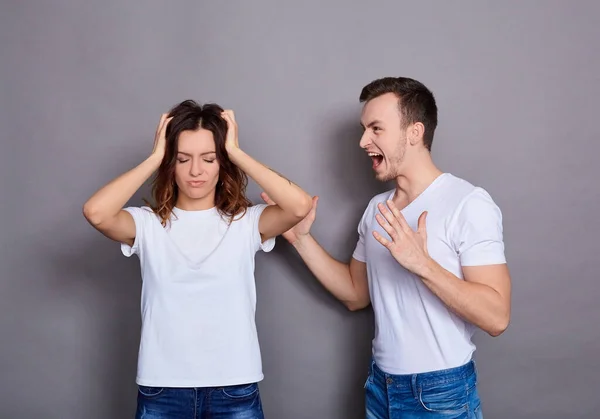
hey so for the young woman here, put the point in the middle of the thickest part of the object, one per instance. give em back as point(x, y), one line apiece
point(199, 355)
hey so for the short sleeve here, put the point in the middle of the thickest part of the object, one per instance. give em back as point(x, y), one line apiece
point(478, 231)
point(140, 216)
point(254, 212)
point(360, 253)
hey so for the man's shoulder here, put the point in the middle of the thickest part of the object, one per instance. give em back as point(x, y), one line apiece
point(458, 186)
point(464, 190)
point(458, 191)
point(468, 201)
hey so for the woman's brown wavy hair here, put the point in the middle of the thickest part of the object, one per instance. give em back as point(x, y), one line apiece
point(230, 195)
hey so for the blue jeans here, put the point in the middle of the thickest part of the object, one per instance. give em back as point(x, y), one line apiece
point(229, 402)
point(450, 393)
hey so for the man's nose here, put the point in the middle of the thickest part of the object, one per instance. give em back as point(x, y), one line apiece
point(365, 140)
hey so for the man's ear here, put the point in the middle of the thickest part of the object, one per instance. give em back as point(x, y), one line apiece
point(415, 133)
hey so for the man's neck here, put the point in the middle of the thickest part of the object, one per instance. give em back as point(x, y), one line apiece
point(414, 180)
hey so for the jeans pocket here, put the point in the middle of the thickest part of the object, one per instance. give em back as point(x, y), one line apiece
point(148, 391)
point(476, 413)
point(242, 391)
point(369, 379)
point(448, 398)
point(475, 404)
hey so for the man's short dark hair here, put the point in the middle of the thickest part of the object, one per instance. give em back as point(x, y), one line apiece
point(415, 102)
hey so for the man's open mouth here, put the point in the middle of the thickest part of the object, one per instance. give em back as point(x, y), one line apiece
point(376, 158)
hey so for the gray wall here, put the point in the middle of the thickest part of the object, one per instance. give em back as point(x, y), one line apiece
point(83, 86)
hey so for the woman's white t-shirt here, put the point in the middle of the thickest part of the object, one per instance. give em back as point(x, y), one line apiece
point(198, 297)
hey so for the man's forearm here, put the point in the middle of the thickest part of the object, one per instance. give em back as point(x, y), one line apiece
point(476, 303)
point(332, 274)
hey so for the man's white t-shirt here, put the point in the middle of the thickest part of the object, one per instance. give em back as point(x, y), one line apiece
point(198, 297)
point(415, 332)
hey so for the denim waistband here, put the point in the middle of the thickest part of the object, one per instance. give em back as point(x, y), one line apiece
point(423, 379)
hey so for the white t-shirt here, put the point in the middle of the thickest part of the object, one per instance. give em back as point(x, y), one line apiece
point(414, 330)
point(198, 298)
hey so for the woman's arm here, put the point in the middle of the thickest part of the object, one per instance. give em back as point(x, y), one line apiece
point(104, 210)
point(293, 204)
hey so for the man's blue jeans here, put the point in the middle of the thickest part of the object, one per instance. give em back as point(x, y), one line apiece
point(450, 393)
point(230, 402)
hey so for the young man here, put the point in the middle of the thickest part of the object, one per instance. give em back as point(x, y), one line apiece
point(430, 258)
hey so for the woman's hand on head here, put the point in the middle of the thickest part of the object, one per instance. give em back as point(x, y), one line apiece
point(160, 140)
point(231, 140)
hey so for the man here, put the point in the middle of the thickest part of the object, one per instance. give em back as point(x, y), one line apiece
point(430, 258)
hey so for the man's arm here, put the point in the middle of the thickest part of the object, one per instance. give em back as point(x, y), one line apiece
point(483, 298)
point(348, 283)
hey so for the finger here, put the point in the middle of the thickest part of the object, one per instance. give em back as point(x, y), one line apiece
point(422, 224)
point(267, 198)
point(389, 216)
point(228, 114)
point(422, 229)
point(312, 214)
point(161, 121)
point(165, 124)
point(230, 122)
point(382, 239)
point(387, 227)
point(398, 216)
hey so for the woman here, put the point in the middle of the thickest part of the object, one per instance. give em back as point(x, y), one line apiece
point(199, 355)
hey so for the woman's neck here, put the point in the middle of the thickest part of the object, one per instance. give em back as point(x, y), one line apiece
point(199, 204)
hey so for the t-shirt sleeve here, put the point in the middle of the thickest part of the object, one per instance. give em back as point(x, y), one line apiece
point(140, 217)
point(255, 212)
point(478, 231)
point(360, 253)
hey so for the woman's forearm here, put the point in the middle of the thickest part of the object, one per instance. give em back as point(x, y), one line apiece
point(289, 196)
point(110, 199)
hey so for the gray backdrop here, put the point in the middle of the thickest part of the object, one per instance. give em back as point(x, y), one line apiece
point(83, 86)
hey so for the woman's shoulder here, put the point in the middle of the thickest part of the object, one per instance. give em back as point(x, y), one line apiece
point(250, 213)
point(143, 214)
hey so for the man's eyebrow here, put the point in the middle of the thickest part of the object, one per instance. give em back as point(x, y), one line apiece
point(370, 124)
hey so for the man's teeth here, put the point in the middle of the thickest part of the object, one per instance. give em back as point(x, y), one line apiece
point(374, 155)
